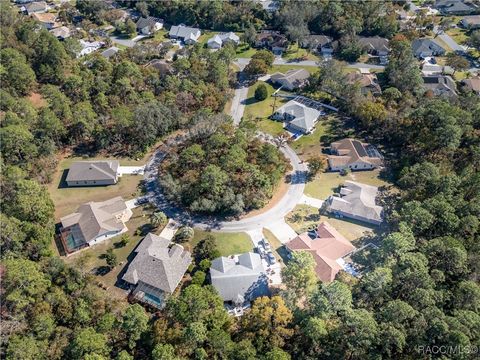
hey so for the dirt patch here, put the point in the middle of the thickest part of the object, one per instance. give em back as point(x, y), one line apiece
point(37, 100)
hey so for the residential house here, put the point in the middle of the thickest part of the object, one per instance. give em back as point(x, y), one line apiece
point(354, 155)
point(239, 279)
point(148, 25)
point(91, 173)
point(61, 33)
point(375, 45)
point(429, 69)
point(89, 47)
point(320, 43)
point(111, 51)
point(218, 40)
point(186, 34)
point(356, 201)
point(47, 20)
point(163, 67)
point(327, 247)
point(456, 7)
point(440, 85)
point(471, 22)
point(36, 7)
point(292, 79)
point(297, 116)
point(423, 48)
point(472, 84)
point(93, 223)
point(272, 40)
point(156, 270)
point(367, 81)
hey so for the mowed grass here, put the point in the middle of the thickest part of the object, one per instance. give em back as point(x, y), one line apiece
point(227, 243)
point(278, 248)
point(295, 52)
point(92, 259)
point(245, 51)
point(304, 217)
point(67, 199)
point(325, 183)
point(458, 34)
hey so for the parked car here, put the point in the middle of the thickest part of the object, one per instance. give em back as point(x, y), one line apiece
point(271, 258)
point(261, 252)
point(266, 245)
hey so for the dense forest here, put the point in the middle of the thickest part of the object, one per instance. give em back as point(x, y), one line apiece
point(421, 285)
point(224, 171)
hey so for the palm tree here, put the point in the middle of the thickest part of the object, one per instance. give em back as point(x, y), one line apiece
point(158, 218)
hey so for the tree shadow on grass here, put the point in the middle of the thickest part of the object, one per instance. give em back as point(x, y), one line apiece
point(250, 101)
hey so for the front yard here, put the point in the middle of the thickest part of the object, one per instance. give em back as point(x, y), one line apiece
point(305, 217)
point(296, 52)
point(67, 199)
point(227, 243)
point(324, 184)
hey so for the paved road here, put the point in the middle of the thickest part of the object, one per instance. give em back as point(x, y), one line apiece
point(242, 62)
point(240, 97)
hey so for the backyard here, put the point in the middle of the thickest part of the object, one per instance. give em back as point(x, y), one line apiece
point(324, 184)
point(67, 200)
point(227, 243)
point(92, 259)
point(304, 217)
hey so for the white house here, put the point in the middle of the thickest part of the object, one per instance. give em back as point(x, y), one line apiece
point(217, 41)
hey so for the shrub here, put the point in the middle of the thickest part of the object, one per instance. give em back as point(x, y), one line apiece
point(261, 92)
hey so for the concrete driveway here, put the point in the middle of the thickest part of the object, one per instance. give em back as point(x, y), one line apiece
point(131, 170)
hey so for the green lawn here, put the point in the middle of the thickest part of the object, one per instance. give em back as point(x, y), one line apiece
point(245, 51)
point(295, 52)
point(206, 35)
point(305, 217)
point(458, 34)
point(161, 35)
point(92, 258)
point(324, 184)
point(67, 200)
point(227, 243)
point(278, 248)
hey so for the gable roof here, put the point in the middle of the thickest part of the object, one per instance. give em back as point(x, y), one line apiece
point(349, 151)
point(357, 200)
point(94, 219)
point(454, 6)
point(36, 6)
point(293, 77)
point(376, 43)
point(440, 85)
point(365, 80)
point(110, 52)
point(148, 21)
point(316, 40)
point(304, 116)
point(426, 45)
point(93, 170)
point(473, 83)
point(328, 246)
point(239, 278)
point(158, 264)
point(61, 32)
point(181, 31)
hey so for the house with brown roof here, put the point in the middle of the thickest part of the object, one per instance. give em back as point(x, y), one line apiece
point(292, 79)
point(368, 82)
point(47, 20)
point(356, 201)
point(327, 247)
point(93, 173)
point(272, 40)
point(472, 84)
point(156, 270)
point(93, 223)
point(319, 43)
point(354, 155)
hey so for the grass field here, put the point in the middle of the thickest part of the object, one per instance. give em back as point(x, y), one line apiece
point(92, 258)
point(305, 217)
point(296, 52)
point(324, 184)
point(67, 199)
point(245, 51)
point(227, 243)
point(278, 248)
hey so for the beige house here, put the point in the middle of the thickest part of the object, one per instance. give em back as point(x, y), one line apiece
point(327, 247)
point(93, 173)
point(93, 223)
point(292, 79)
point(354, 155)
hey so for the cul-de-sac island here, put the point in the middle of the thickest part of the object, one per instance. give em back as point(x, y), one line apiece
point(256, 179)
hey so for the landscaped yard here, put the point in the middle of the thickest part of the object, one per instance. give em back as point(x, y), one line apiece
point(325, 183)
point(304, 218)
point(296, 52)
point(67, 199)
point(278, 248)
point(458, 34)
point(93, 257)
point(245, 51)
point(227, 243)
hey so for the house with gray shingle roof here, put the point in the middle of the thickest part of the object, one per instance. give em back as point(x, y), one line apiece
point(111, 51)
point(456, 7)
point(423, 48)
point(37, 7)
point(187, 34)
point(297, 116)
point(93, 223)
point(156, 270)
point(356, 201)
point(148, 25)
point(92, 173)
point(218, 40)
point(292, 79)
point(239, 279)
